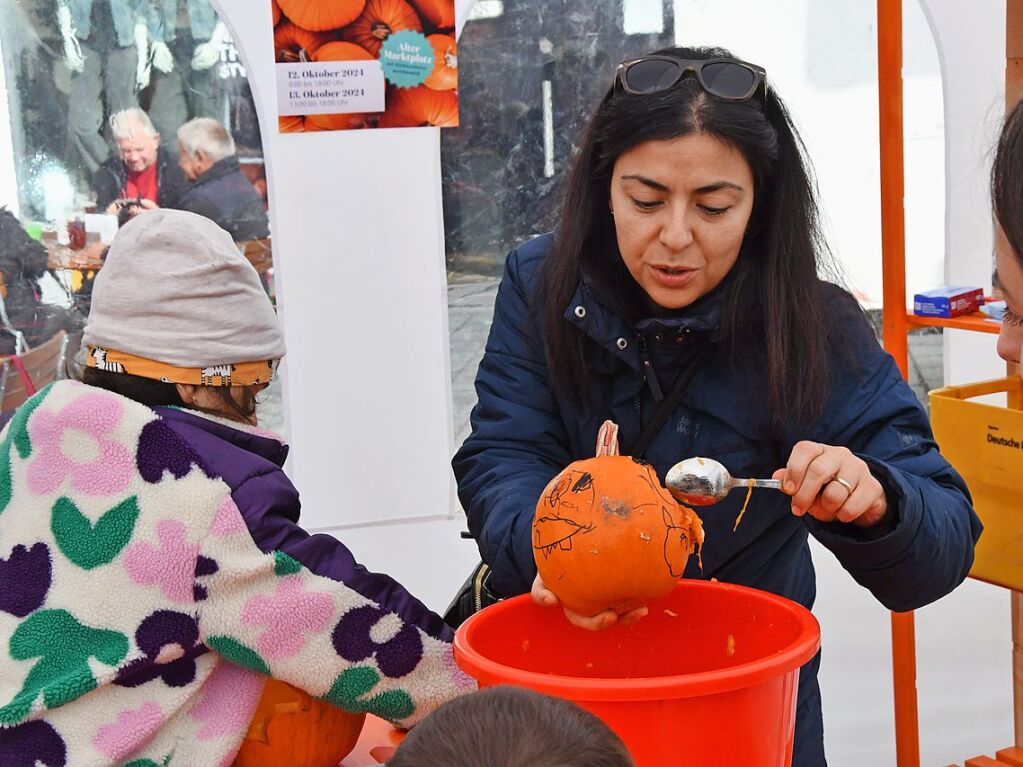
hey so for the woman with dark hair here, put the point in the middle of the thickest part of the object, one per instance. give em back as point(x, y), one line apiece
point(1007, 196)
point(685, 268)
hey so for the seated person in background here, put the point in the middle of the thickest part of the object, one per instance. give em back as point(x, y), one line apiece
point(152, 570)
point(141, 176)
point(511, 727)
point(22, 264)
point(219, 190)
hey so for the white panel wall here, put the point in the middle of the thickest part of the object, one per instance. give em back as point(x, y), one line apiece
point(359, 259)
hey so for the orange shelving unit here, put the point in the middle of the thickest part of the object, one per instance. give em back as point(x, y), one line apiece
point(897, 322)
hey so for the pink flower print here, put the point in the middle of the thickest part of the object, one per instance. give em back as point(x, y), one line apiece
point(229, 698)
point(228, 520)
point(288, 615)
point(170, 564)
point(131, 731)
point(76, 443)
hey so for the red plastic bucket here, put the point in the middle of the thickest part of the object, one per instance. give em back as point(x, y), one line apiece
point(708, 678)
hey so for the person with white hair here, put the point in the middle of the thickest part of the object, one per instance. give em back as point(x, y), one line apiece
point(219, 190)
point(142, 176)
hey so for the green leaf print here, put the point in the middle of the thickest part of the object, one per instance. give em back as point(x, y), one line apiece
point(17, 432)
point(148, 762)
point(239, 654)
point(64, 647)
point(285, 565)
point(351, 686)
point(88, 545)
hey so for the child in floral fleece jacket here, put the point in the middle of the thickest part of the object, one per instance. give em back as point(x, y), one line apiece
point(152, 571)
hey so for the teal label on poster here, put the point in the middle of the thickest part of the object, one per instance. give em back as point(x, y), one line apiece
point(406, 58)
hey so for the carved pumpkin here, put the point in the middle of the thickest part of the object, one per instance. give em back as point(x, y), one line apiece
point(379, 20)
point(417, 107)
point(320, 15)
point(440, 13)
point(339, 51)
point(607, 535)
point(293, 43)
point(275, 10)
point(445, 68)
point(293, 124)
point(292, 729)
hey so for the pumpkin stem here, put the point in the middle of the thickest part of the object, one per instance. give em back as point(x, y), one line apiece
point(380, 30)
point(302, 55)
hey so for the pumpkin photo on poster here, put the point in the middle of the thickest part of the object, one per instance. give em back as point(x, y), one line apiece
point(355, 64)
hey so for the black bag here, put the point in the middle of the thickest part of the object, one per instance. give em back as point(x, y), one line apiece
point(476, 593)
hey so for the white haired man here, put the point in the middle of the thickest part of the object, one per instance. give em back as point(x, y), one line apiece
point(219, 190)
point(141, 176)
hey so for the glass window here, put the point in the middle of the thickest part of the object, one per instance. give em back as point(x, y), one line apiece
point(115, 107)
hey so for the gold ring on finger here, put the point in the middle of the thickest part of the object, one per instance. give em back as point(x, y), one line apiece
point(844, 484)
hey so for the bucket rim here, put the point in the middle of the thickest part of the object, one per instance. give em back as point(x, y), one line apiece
point(749, 674)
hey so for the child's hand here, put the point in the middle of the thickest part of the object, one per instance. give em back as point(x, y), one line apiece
point(544, 597)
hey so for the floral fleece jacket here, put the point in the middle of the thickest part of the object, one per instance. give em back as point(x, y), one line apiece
point(152, 574)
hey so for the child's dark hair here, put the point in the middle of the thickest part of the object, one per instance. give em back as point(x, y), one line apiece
point(511, 727)
point(153, 393)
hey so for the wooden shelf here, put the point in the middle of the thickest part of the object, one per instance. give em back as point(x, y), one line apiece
point(977, 321)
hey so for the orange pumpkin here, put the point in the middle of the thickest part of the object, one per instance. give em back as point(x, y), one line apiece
point(607, 535)
point(293, 43)
point(292, 124)
point(292, 729)
point(319, 15)
point(440, 13)
point(275, 10)
point(445, 68)
point(417, 107)
point(379, 20)
point(339, 51)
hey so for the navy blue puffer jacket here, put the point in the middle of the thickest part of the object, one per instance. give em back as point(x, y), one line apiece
point(523, 434)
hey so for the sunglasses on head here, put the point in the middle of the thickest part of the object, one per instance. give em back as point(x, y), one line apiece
point(723, 78)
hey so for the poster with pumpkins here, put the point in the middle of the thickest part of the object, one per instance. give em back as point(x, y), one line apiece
point(351, 64)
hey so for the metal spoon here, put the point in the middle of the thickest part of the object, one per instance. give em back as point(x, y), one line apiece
point(703, 481)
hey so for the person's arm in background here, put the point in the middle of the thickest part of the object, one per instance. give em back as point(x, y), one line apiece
point(518, 440)
point(72, 49)
point(159, 16)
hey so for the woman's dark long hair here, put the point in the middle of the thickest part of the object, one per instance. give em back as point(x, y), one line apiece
point(773, 307)
point(1007, 180)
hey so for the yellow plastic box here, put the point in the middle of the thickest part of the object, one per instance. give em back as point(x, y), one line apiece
point(985, 444)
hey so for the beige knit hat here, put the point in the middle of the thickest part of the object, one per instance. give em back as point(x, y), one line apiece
point(175, 289)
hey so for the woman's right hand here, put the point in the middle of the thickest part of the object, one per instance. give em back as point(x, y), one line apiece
point(544, 597)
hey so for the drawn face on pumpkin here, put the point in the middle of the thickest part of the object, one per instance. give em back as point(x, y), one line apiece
point(570, 504)
point(607, 534)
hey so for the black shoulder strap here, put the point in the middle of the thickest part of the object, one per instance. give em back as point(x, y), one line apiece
point(671, 400)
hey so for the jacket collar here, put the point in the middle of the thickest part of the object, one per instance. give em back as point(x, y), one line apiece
point(621, 339)
point(219, 169)
point(262, 442)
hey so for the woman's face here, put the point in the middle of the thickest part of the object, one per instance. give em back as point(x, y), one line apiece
point(680, 210)
point(1010, 277)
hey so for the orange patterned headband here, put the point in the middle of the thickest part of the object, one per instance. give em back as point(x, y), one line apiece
point(234, 374)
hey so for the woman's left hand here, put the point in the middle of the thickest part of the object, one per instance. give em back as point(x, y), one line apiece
point(544, 597)
point(832, 485)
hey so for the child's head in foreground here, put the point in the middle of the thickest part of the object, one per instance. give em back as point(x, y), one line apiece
point(511, 727)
